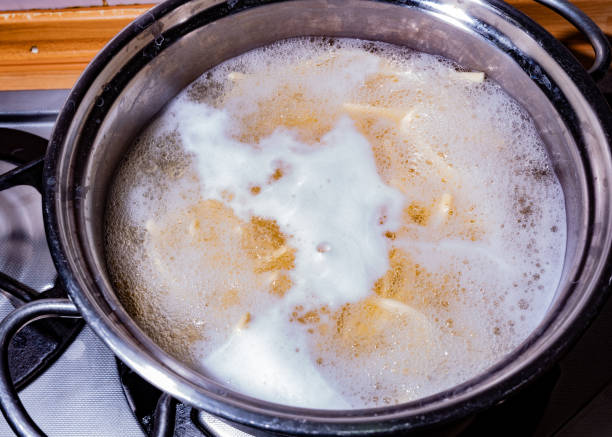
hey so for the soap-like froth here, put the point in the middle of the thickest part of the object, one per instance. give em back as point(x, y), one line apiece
point(329, 194)
point(338, 223)
point(284, 374)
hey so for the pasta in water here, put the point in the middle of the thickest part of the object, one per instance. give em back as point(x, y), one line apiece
point(336, 223)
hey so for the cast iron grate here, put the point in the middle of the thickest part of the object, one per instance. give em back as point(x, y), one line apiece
point(38, 345)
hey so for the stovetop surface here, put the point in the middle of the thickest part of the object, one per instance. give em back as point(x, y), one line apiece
point(82, 393)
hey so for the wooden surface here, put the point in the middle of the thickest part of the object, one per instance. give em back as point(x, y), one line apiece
point(45, 49)
point(49, 49)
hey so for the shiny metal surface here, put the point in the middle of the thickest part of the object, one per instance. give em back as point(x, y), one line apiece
point(148, 63)
point(11, 406)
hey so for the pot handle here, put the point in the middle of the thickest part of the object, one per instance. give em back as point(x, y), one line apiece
point(10, 404)
point(584, 24)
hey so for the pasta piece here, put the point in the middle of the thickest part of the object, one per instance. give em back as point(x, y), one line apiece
point(470, 76)
point(355, 109)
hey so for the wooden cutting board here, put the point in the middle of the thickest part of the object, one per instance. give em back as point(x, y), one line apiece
point(48, 49)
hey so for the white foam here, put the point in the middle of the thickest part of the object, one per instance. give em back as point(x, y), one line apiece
point(329, 194)
point(272, 366)
point(484, 267)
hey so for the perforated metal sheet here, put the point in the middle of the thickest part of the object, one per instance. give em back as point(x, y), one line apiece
point(80, 395)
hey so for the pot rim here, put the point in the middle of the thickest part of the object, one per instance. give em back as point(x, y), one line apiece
point(468, 397)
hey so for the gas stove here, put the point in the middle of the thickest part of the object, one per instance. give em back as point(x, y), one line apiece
point(72, 385)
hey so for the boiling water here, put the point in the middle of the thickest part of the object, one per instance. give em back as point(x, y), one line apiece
point(337, 224)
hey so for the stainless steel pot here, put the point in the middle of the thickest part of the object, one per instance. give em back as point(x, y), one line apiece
point(164, 50)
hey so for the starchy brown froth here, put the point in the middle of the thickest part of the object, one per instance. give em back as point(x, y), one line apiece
point(472, 257)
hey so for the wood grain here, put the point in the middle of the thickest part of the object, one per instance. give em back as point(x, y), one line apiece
point(45, 49)
point(49, 49)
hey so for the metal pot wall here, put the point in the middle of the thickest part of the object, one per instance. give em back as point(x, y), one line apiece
point(164, 50)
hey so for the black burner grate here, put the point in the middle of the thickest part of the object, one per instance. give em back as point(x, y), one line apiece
point(37, 346)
